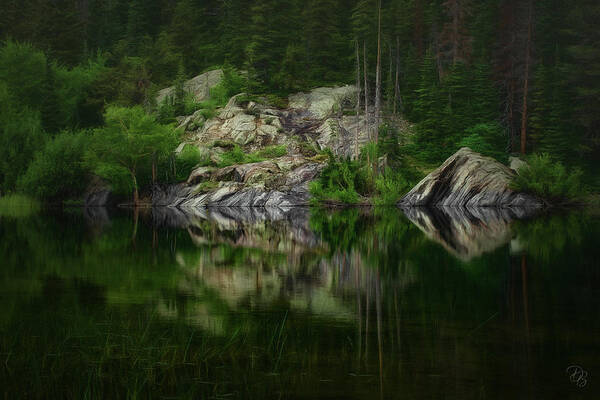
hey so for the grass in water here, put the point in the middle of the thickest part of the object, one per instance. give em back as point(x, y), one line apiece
point(17, 205)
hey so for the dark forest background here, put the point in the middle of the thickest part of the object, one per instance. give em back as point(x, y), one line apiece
point(466, 69)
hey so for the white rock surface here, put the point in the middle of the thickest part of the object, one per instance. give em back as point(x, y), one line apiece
point(468, 179)
point(198, 86)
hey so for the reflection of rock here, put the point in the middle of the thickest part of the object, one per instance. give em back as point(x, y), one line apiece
point(468, 179)
point(98, 194)
point(465, 232)
point(266, 228)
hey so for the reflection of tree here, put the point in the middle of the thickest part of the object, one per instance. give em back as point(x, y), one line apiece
point(360, 297)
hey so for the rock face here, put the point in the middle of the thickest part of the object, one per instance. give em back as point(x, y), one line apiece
point(198, 86)
point(279, 182)
point(313, 121)
point(322, 102)
point(468, 179)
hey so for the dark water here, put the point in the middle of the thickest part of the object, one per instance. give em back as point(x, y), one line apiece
point(267, 304)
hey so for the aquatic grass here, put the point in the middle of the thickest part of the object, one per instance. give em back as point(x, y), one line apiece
point(18, 206)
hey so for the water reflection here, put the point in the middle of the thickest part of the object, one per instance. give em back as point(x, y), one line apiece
point(466, 232)
point(265, 303)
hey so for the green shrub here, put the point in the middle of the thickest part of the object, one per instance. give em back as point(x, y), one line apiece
point(186, 161)
point(390, 187)
point(271, 152)
point(337, 183)
point(18, 205)
point(58, 172)
point(549, 180)
point(236, 154)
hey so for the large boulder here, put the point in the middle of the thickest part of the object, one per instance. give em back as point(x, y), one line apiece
point(198, 86)
point(468, 179)
point(323, 102)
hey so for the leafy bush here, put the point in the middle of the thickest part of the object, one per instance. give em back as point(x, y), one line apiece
point(186, 161)
point(549, 180)
point(129, 144)
point(337, 183)
point(390, 186)
point(57, 172)
point(236, 155)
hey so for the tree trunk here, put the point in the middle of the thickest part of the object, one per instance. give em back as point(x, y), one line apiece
point(153, 169)
point(357, 101)
point(136, 194)
point(366, 91)
point(397, 83)
point(526, 83)
point(388, 100)
point(377, 86)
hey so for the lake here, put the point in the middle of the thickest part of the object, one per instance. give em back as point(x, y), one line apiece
point(299, 303)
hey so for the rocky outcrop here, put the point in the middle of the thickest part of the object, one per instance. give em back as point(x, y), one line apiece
point(468, 179)
point(313, 122)
point(279, 182)
point(323, 102)
point(198, 86)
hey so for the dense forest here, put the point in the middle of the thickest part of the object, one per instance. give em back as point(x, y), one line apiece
point(504, 76)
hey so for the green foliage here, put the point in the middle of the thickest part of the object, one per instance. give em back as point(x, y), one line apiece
point(549, 180)
point(189, 158)
point(128, 145)
point(21, 136)
point(272, 152)
point(390, 186)
point(57, 172)
point(338, 182)
point(18, 206)
point(23, 71)
point(237, 155)
point(487, 139)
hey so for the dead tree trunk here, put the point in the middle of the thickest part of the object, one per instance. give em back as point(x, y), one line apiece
point(357, 101)
point(367, 124)
point(377, 85)
point(397, 83)
point(526, 83)
point(366, 91)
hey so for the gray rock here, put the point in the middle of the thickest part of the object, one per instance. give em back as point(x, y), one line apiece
point(281, 182)
point(516, 163)
point(468, 179)
point(323, 102)
point(198, 86)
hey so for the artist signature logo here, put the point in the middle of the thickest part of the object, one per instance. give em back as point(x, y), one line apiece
point(577, 375)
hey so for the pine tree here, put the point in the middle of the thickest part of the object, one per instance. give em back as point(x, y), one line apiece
point(50, 109)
